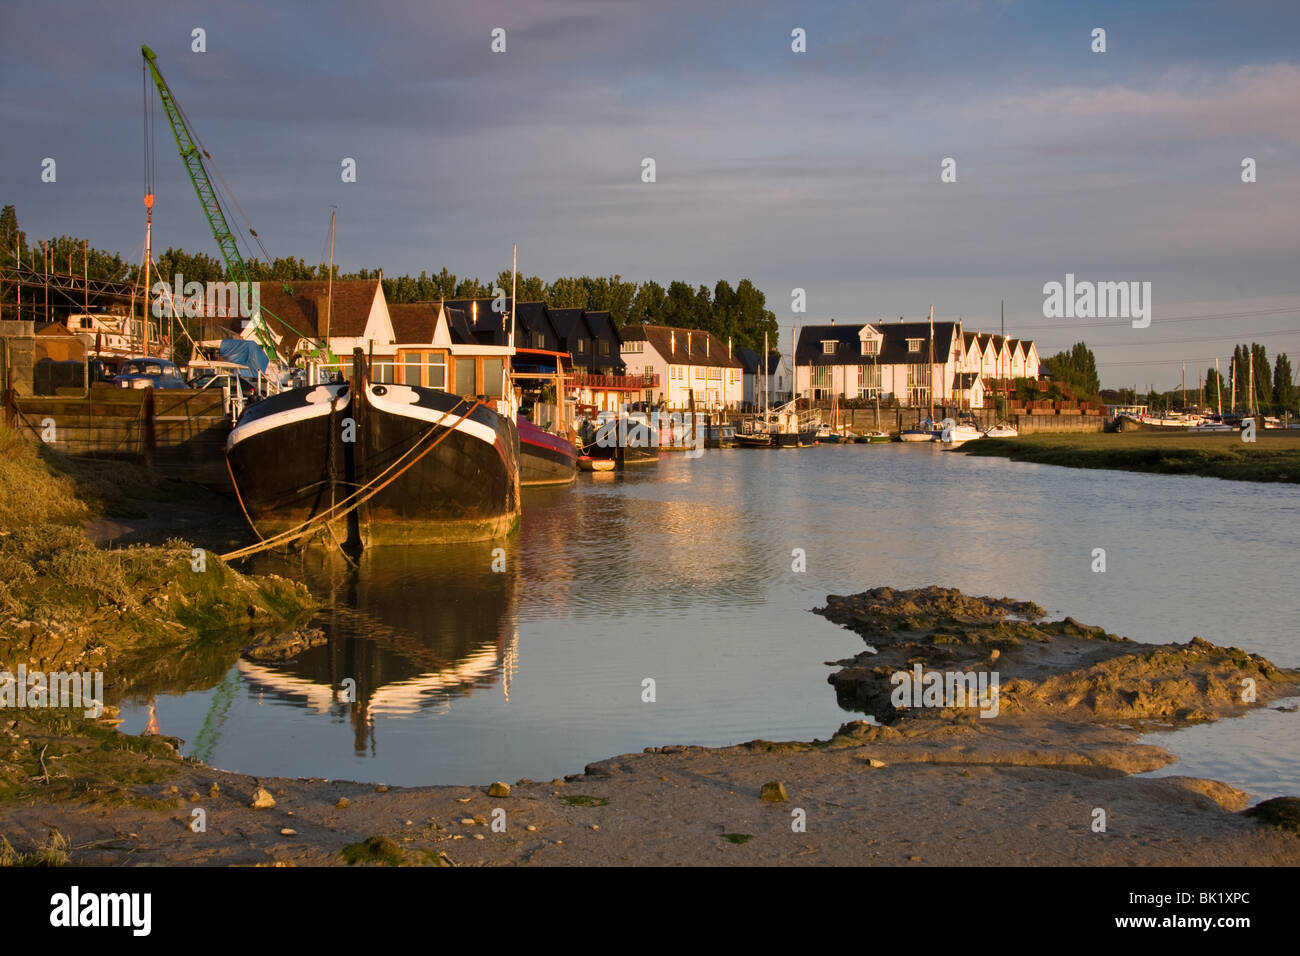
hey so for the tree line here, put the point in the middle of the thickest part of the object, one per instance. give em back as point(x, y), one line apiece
point(738, 313)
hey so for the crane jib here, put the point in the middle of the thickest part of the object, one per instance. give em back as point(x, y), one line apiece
point(192, 156)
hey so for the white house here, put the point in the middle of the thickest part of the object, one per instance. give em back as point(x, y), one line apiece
point(686, 361)
point(906, 361)
point(770, 386)
point(355, 316)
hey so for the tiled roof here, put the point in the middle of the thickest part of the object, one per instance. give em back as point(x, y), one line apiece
point(300, 308)
point(671, 343)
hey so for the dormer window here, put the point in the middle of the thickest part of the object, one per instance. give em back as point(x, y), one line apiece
point(828, 347)
point(871, 346)
point(914, 345)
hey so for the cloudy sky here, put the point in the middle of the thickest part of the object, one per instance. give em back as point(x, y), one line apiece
point(817, 170)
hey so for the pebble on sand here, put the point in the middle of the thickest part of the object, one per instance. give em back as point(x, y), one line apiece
point(343, 803)
point(773, 792)
point(499, 789)
point(262, 799)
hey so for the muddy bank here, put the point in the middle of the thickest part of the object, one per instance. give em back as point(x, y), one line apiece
point(931, 786)
point(1045, 670)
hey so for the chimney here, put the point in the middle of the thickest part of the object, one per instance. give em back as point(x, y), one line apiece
point(706, 344)
point(672, 341)
point(688, 343)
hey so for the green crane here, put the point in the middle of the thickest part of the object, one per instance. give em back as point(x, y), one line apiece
point(192, 155)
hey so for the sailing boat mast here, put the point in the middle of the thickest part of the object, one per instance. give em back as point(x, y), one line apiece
point(1218, 385)
point(329, 295)
point(931, 389)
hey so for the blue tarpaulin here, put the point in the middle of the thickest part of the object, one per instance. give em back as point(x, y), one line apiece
point(247, 354)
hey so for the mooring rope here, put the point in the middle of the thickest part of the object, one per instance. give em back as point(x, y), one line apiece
point(353, 501)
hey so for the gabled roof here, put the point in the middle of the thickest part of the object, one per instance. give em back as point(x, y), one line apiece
point(565, 321)
point(414, 322)
point(671, 343)
point(893, 350)
point(300, 308)
point(965, 380)
point(751, 362)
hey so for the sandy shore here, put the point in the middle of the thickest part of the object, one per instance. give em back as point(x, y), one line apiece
point(932, 786)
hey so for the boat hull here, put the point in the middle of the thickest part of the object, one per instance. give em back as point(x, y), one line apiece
point(440, 468)
point(544, 458)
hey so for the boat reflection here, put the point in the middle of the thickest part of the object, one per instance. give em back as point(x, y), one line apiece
point(408, 630)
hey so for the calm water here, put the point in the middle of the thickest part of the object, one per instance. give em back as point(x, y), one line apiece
point(681, 574)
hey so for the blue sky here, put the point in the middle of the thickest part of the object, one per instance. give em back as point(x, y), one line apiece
point(817, 170)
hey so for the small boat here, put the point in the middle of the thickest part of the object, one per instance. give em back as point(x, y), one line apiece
point(873, 438)
point(754, 440)
point(547, 454)
point(545, 458)
point(953, 433)
point(587, 463)
point(1211, 427)
point(1002, 430)
point(922, 431)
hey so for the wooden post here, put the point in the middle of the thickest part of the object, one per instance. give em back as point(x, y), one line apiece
point(150, 432)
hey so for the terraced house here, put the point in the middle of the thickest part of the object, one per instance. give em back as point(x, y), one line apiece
point(686, 362)
point(895, 361)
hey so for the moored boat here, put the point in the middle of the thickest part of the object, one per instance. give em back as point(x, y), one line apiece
point(376, 463)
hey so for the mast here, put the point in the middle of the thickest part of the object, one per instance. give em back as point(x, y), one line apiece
point(763, 403)
point(514, 270)
point(329, 300)
point(931, 389)
point(148, 257)
point(1218, 384)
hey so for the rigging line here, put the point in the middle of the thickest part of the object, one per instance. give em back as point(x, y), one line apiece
point(1162, 321)
point(1231, 336)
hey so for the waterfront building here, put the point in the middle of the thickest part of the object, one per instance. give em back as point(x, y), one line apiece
point(777, 382)
point(893, 360)
point(684, 362)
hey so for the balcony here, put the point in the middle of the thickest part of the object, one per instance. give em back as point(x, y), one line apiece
point(619, 383)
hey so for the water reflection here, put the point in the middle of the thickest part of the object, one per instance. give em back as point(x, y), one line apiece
point(408, 630)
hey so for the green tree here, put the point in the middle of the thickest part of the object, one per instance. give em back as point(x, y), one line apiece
point(648, 304)
point(1077, 369)
point(1216, 389)
point(1285, 393)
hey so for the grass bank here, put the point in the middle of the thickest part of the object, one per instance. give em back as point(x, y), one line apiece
point(1274, 457)
point(66, 604)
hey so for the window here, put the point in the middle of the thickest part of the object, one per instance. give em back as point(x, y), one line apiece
point(637, 346)
point(715, 374)
point(465, 384)
point(435, 370)
point(382, 371)
point(582, 346)
point(411, 369)
point(821, 378)
point(828, 348)
point(604, 347)
point(871, 346)
point(493, 370)
point(914, 345)
point(699, 373)
point(868, 381)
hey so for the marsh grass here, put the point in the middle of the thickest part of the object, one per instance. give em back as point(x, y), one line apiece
point(1274, 456)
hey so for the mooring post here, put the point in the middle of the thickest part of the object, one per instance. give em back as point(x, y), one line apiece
point(150, 429)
